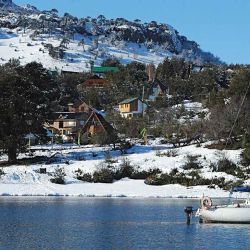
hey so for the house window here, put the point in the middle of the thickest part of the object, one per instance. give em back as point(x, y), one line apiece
point(71, 124)
point(60, 124)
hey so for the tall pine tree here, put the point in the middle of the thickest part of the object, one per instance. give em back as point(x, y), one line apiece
point(27, 95)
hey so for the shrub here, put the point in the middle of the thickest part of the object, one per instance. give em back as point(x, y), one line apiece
point(227, 166)
point(192, 162)
point(153, 180)
point(80, 175)
point(59, 176)
point(213, 166)
point(2, 172)
point(56, 52)
point(182, 179)
point(194, 175)
point(103, 175)
point(125, 170)
point(245, 157)
point(174, 171)
point(142, 175)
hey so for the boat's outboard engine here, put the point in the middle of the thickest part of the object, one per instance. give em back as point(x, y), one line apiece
point(189, 212)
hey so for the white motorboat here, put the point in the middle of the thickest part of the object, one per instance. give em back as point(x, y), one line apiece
point(232, 213)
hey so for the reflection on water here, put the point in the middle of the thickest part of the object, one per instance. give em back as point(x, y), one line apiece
point(80, 223)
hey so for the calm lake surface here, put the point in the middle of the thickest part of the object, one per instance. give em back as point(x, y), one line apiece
point(95, 223)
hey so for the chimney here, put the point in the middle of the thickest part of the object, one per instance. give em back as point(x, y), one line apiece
point(70, 107)
point(150, 69)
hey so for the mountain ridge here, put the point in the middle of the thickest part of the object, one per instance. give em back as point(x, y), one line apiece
point(70, 42)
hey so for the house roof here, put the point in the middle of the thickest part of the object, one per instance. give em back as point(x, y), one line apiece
point(69, 115)
point(94, 77)
point(71, 71)
point(128, 100)
point(106, 125)
point(77, 103)
point(104, 69)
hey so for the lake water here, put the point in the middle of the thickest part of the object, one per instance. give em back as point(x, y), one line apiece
point(95, 223)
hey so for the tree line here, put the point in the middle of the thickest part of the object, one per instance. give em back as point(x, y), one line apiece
point(28, 94)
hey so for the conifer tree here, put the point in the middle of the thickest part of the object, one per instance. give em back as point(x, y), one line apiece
point(27, 94)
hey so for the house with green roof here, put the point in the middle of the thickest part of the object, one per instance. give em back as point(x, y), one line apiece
point(103, 70)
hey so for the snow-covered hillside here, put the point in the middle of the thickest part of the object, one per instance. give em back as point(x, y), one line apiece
point(28, 34)
point(14, 44)
point(26, 180)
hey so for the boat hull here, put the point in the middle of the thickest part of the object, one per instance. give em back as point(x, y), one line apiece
point(238, 215)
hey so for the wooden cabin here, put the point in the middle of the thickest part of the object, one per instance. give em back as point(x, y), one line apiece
point(96, 123)
point(132, 107)
point(67, 124)
point(95, 82)
point(79, 106)
point(157, 90)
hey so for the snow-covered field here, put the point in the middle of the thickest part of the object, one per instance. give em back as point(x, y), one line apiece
point(27, 181)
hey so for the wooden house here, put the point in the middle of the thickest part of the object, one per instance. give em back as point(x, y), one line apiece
point(157, 90)
point(67, 124)
point(132, 107)
point(96, 124)
point(79, 106)
point(95, 82)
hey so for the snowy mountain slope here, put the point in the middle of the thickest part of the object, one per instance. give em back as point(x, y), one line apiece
point(69, 43)
point(14, 44)
point(9, 6)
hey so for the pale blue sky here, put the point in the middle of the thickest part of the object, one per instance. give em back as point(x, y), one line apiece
point(219, 26)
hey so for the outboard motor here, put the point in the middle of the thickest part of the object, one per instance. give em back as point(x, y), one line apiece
point(189, 212)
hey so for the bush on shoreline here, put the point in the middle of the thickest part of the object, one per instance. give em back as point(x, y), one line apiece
point(81, 176)
point(59, 176)
point(193, 179)
point(103, 175)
